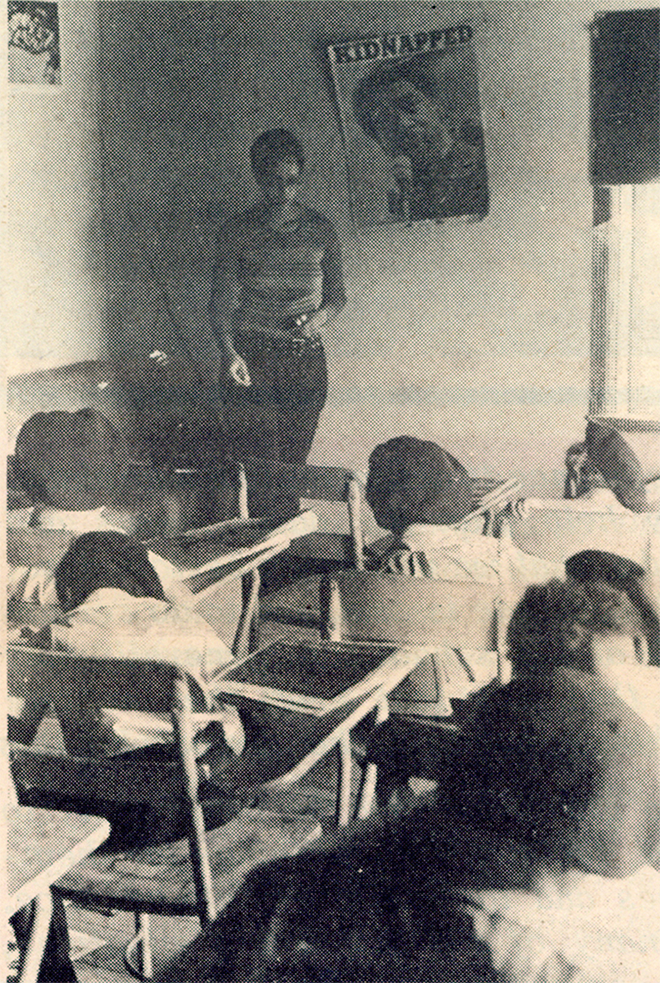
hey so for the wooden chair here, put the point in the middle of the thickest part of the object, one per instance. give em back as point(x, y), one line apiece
point(182, 878)
point(490, 497)
point(360, 605)
point(207, 559)
point(296, 603)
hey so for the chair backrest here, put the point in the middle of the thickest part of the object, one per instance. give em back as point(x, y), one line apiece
point(67, 680)
point(556, 534)
point(316, 482)
point(150, 685)
point(491, 495)
point(387, 607)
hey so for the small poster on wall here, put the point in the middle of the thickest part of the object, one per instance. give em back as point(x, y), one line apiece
point(409, 106)
point(34, 43)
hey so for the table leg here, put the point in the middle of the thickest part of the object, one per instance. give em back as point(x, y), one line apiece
point(31, 962)
point(370, 772)
point(344, 782)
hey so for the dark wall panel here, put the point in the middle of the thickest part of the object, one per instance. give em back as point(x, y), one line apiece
point(625, 104)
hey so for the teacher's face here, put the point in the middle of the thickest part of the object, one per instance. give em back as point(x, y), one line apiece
point(281, 184)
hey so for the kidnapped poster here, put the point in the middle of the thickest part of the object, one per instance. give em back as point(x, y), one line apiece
point(409, 107)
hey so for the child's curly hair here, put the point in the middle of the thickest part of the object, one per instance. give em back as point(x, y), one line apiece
point(554, 624)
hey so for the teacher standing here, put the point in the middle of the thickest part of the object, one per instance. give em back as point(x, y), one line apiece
point(277, 281)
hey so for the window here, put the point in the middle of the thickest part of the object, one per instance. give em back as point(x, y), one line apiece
point(625, 328)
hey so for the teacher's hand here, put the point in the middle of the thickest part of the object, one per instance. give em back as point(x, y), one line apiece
point(238, 371)
point(309, 325)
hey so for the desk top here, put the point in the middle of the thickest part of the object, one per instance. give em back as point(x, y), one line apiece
point(291, 742)
point(200, 550)
point(43, 845)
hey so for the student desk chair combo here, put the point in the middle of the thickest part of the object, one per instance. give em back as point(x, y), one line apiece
point(200, 875)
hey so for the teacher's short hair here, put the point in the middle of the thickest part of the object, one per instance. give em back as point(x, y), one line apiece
point(273, 146)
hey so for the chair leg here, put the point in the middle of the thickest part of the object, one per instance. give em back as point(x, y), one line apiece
point(248, 624)
point(370, 772)
point(143, 969)
point(344, 783)
point(33, 955)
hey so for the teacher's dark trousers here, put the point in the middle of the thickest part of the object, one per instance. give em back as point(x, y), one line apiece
point(277, 415)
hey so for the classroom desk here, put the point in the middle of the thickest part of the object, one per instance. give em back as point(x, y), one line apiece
point(293, 742)
point(42, 845)
point(209, 559)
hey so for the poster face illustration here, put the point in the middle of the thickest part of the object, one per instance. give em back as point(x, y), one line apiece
point(409, 107)
point(34, 43)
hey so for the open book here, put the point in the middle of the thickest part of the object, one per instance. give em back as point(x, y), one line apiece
point(317, 678)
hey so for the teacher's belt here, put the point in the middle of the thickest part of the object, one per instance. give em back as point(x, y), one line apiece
point(291, 344)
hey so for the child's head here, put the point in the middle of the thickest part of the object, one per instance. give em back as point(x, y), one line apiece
point(590, 566)
point(412, 480)
point(105, 559)
point(595, 567)
point(70, 461)
point(562, 762)
point(569, 624)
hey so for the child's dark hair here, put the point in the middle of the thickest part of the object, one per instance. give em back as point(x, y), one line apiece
point(272, 147)
point(72, 461)
point(591, 565)
point(412, 480)
point(105, 559)
point(554, 624)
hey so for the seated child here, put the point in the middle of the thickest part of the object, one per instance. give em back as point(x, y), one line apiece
point(417, 490)
point(551, 799)
point(71, 465)
point(589, 627)
point(593, 626)
point(114, 604)
point(584, 488)
point(609, 471)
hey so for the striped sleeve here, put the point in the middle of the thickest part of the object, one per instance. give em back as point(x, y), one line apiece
point(410, 563)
